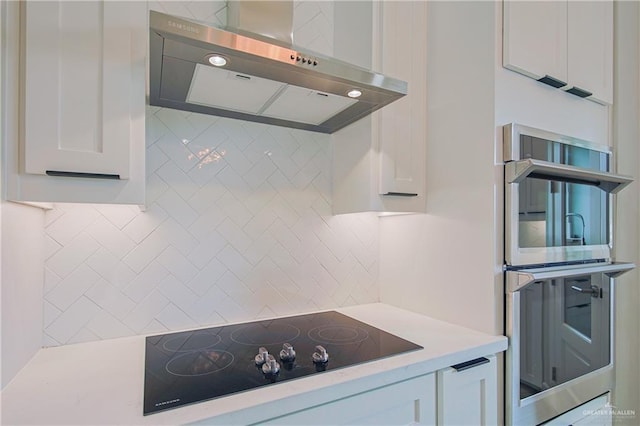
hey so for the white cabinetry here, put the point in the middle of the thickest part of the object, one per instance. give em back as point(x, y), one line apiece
point(468, 394)
point(464, 394)
point(82, 103)
point(402, 125)
point(563, 44)
point(379, 163)
point(590, 47)
point(412, 402)
point(535, 38)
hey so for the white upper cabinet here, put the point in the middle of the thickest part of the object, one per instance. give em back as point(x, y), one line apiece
point(535, 38)
point(566, 44)
point(82, 102)
point(590, 48)
point(403, 123)
point(379, 162)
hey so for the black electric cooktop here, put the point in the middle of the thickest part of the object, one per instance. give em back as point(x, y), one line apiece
point(191, 366)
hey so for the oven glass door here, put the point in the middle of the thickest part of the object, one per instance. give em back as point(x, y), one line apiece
point(558, 193)
point(553, 213)
point(564, 330)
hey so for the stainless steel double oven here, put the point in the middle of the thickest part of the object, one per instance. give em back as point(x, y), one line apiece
point(559, 275)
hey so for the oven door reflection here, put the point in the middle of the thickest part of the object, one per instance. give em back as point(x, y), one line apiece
point(564, 331)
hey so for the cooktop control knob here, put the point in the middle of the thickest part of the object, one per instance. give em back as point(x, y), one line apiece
point(287, 354)
point(320, 355)
point(262, 356)
point(271, 366)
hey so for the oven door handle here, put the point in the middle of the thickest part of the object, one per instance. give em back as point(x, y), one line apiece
point(594, 290)
point(517, 280)
point(518, 171)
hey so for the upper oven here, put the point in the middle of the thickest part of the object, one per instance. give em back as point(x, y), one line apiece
point(557, 198)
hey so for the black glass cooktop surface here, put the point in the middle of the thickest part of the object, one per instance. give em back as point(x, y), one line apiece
point(191, 366)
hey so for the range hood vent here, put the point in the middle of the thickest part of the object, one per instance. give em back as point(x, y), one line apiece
point(263, 79)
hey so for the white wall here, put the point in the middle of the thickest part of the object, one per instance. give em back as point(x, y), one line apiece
point(444, 263)
point(22, 241)
point(626, 140)
point(21, 254)
point(238, 225)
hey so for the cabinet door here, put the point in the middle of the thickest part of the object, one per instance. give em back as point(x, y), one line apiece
point(82, 66)
point(403, 123)
point(411, 402)
point(380, 164)
point(468, 396)
point(590, 48)
point(535, 39)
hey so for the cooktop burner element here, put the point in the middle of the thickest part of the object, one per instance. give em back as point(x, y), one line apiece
point(265, 333)
point(338, 335)
point(191, 366)
point(199, 363)
point(191, 342)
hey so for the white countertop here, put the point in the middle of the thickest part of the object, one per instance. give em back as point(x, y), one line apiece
point(102, 382)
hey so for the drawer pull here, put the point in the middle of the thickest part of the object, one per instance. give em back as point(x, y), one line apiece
point(470, 364)
point(551, 81)
point(401, 194)
point(82, 175)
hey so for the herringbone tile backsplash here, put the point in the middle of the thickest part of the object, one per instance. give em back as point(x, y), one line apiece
point(237, 225)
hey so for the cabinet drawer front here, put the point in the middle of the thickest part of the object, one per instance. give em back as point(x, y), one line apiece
point(408, 402)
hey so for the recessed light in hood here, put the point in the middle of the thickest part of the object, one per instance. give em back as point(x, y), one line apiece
point(217, 60)
point(235, 74)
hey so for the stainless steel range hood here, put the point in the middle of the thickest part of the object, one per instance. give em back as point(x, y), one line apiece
point(264, 79)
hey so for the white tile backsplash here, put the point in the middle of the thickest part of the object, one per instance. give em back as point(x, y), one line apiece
point(72, 287)
point(72, 321)
point(72, 255)
point(237, 225)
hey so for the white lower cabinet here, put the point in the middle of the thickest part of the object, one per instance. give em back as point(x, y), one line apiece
point(468, 393)
point(460, 395)
point(411, 402)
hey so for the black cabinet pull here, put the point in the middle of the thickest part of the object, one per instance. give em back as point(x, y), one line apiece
point(579, 92)
point(551, 81)
point(401, 194)
point(82, 175)
point(470, 364)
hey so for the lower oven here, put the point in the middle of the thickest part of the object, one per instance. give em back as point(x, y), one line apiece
point(560, 328)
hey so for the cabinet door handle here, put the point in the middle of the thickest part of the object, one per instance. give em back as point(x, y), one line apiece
point(552, 81)
point(579, 92)
point(470, 364)
point(401, 194)
point(82, 175)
